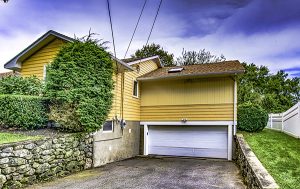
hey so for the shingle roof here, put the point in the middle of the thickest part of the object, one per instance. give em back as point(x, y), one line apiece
point(218, 68)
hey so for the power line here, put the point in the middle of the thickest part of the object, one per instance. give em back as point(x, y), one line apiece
point(154, 22)
point(115, 54)
point(135, 27)
point(111, 28)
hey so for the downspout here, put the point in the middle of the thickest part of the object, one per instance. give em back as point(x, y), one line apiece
point(116, 91)
point(122, 95)
point(122, 101)
point(235, 106)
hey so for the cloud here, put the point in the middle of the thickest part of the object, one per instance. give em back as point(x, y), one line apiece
point(254, 31)
point(264, 16)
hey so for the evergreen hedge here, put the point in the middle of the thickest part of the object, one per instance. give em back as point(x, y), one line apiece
point(21, 111)
point(251, 118)
point(21, 85)
point(79, 83)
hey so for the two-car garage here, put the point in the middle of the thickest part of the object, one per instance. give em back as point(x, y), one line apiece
point(208, 141)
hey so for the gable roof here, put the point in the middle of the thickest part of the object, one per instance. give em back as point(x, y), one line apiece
point(132, 61)
point(15, 63)
point(211, 69)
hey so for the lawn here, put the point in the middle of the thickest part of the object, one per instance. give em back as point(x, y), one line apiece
point(280, 154)
point(10, 137)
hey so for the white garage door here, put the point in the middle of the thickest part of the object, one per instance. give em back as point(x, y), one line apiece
point(197, 141)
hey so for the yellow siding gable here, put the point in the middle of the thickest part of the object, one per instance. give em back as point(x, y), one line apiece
point(131, 104)
point(191, 99)
point(34, 65)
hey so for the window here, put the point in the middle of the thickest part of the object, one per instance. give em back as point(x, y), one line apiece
point(108, 126)
point(135, 89)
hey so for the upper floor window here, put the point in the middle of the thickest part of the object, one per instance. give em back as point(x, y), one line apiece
point(135, 88)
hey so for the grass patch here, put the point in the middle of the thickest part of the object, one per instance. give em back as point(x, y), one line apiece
point(10, 137)
point(280, 155)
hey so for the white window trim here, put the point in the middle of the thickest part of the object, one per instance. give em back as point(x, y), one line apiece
point(112, 128)
point(137, 88)
point(45, 72)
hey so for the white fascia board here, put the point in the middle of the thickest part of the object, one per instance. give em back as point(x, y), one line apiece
point(145, 59)
point(192, 123)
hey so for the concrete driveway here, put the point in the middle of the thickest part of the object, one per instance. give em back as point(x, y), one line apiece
point(169, 173)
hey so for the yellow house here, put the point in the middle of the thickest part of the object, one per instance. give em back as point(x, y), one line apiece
point(177, 111)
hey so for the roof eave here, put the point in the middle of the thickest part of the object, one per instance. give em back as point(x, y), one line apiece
point(159, 64)
point(13, 63)
point(192, 75)
point(123, 64)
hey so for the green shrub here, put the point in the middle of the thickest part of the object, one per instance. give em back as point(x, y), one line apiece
point(21, 111)
point(65, 116)
point(21, 85)
point(79, 83)
point(251, 118)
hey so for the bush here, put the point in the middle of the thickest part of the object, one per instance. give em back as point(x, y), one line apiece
point(25, 112)
point(21, 85)
point(251, 118)
point(79, 83)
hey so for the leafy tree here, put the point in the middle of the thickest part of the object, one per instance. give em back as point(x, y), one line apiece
point(166, 58)
point(201, 57)
point(273, 92)
point(79, 82)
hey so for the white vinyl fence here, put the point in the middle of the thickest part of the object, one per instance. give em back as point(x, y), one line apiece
point(287, 122)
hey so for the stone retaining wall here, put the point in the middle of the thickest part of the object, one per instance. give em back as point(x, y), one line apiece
point(24, 163)
point(253, 172)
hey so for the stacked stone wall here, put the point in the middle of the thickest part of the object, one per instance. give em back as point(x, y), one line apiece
point(25, 163)
point(254, 173)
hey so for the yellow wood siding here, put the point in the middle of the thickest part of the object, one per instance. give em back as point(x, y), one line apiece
point(193, 99)
point(131, 109)
point(34, 65)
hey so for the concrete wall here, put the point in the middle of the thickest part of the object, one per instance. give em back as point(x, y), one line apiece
point(117, 145)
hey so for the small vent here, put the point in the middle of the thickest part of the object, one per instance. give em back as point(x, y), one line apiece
point(172, 70)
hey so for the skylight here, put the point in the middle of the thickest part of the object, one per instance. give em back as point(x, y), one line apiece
point(172, 70)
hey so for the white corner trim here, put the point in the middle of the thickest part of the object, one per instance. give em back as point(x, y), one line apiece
point(229, 153)
point(146, 138)
point(196, 123)
point(235, 107)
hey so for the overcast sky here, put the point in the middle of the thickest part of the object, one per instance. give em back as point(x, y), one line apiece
point(264, 32)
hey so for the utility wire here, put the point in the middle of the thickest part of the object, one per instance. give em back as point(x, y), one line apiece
point(111, 28)
point(153, 22)
point(115, 54)
point(138, 21)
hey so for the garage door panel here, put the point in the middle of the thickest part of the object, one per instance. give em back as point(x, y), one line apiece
point(199, 141)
